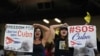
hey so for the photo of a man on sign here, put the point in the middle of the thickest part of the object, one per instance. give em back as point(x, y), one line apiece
point(80, 34)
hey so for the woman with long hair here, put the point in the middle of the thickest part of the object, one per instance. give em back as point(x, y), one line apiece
point(61, 40)
point(41, 34)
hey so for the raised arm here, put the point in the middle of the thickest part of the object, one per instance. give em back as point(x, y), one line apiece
point(45, 30)
point(53, 27)
point(52, 30)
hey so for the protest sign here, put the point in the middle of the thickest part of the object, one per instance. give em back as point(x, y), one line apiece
point(78, 35)
point(19, 37)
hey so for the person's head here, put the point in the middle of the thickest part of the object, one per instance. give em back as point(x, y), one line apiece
point(38, 33)
point(63, 31)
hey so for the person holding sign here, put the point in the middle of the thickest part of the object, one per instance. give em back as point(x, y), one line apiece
point(61, 40)
point(40, 39)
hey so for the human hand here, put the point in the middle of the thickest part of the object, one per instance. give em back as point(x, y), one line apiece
point(36, 25)
point(86, 23)
point(65, 24)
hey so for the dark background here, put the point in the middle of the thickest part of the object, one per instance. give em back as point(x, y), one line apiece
point(27, 10)
point(13, 11)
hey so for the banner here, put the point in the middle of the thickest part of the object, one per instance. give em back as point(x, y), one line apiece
point(80, 35)
point(19, 37)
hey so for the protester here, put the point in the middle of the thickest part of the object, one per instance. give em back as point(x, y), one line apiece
point(61, 40)
point(41, 34)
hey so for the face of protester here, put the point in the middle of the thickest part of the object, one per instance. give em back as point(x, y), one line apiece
point(37, 33)
point(63, 32)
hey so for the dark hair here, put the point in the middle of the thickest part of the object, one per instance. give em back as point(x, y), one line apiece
point(61, 28)
point(66, 37)
point(41, 32)
point(49, 46)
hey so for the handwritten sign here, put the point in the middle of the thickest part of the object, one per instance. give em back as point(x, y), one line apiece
point(18, 38)
point(80, 34)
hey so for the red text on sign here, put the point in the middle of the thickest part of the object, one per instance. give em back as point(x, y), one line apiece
point(81, 29)
point(24, 33)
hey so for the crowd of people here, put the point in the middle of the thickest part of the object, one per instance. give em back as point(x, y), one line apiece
point(47, 43)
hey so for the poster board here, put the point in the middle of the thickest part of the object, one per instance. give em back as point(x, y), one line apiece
point(79, 35)
point(19, 37)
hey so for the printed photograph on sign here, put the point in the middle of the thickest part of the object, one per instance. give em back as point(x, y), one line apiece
point(19, 38)
point(79, 35)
